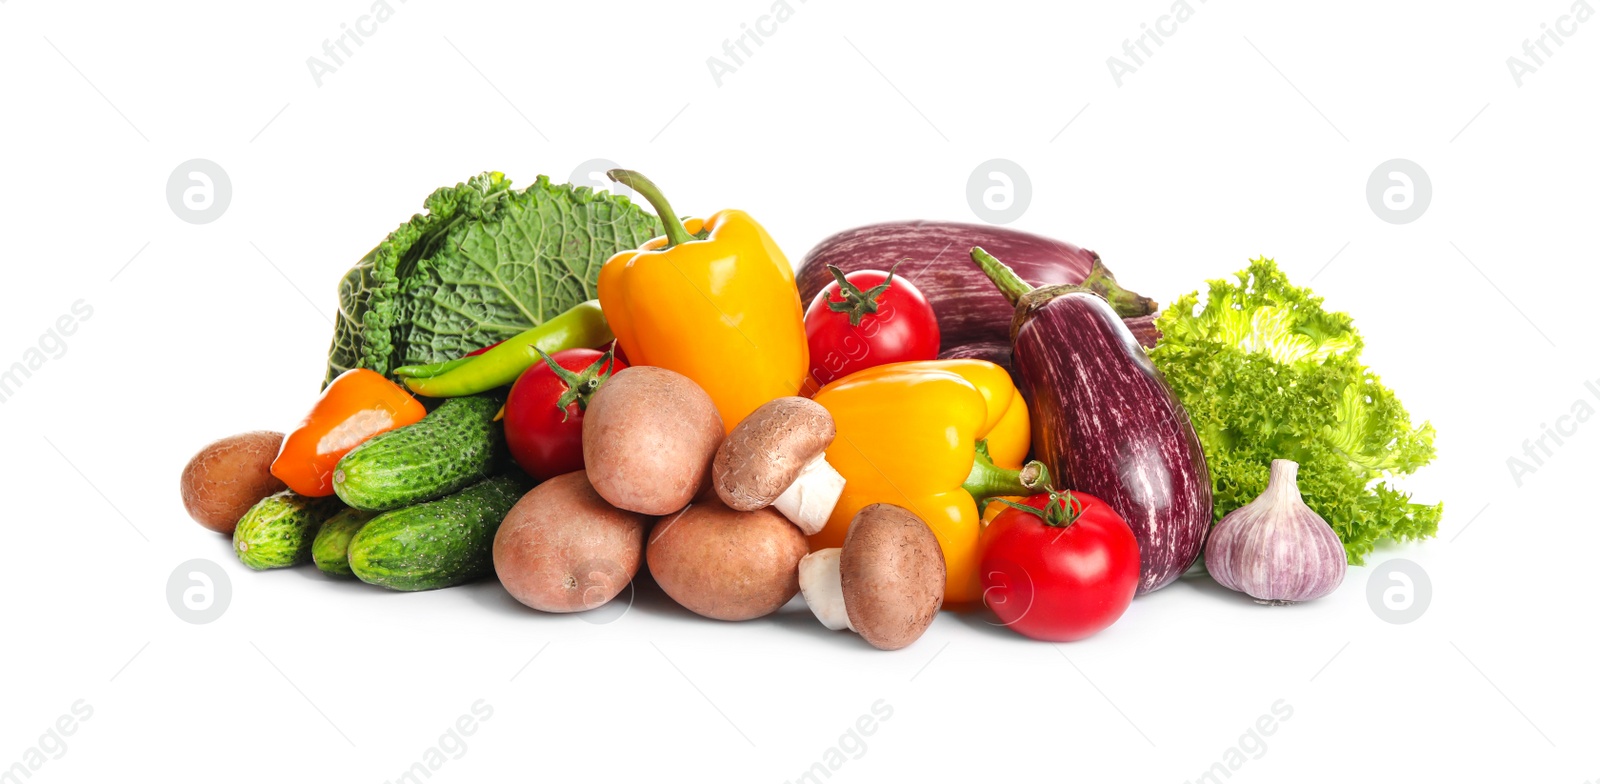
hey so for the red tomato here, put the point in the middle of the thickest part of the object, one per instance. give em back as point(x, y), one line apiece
point(874, 319)
point(1059, 581)
point(544, 413)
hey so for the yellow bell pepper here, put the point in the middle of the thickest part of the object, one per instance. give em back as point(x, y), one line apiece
point(932, 437)
point(723, 311)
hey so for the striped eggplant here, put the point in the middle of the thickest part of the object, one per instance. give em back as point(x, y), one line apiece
point(969, 310)
point(1104, 421)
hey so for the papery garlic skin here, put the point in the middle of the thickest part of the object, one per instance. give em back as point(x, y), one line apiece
point(1275, 548)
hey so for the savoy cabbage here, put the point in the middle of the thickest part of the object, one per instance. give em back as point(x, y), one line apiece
point(483, 263)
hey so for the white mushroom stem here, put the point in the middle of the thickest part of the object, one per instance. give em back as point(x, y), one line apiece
point(823, 589)
point(810, 500)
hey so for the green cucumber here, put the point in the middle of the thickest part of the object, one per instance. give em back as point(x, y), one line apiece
point(330, 550)
point(436, 544)
point(279, 529)
point(453, 447)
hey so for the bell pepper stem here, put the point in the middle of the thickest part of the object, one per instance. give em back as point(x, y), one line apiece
point(988, 480)
point(676, 233)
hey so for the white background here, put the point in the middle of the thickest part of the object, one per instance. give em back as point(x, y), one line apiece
point(1252, 130)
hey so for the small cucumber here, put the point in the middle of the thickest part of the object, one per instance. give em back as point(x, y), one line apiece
point(437, 544)
point(330, 550)
point(451, 448)
point(279, 529)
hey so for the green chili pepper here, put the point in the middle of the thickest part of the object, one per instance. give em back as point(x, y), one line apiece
point(431, 371)
point(581, 327)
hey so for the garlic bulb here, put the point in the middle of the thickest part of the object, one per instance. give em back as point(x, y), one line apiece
point(1275, 548)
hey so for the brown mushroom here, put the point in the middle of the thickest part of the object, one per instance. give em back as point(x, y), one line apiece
point(886, 583)
point(774, 457)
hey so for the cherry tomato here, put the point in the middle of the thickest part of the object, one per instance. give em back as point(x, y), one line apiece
point(544, 413)
point(1061, 572)
point(865, 319)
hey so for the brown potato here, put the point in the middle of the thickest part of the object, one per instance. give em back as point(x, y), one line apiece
point(649, 435)
point(562, 548)
point(727, 565)
point(229, 476)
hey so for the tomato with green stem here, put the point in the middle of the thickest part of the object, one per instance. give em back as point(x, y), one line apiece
point(865, 319)
point(544, 412)
point(1059, 566)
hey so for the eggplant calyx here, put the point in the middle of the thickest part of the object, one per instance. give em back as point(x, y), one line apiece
point(988, 480)
point(1126, 303)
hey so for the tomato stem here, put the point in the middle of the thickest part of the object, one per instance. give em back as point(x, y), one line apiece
point(1062, 510)
point(858, 303)
point(582, 385)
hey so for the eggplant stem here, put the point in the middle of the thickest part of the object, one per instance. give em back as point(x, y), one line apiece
point(1100, 281)
point(1005, 278)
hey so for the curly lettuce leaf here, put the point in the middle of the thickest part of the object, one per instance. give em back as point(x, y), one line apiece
point(1266, 373)
point(483, 263)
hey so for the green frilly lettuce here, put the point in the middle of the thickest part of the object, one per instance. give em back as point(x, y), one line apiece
point(1266, 373)
point(483, 263)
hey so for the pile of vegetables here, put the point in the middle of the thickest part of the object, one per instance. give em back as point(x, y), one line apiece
point(532, 384)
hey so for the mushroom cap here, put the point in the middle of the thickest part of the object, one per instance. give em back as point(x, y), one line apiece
point(893, 576)
point(766, 452)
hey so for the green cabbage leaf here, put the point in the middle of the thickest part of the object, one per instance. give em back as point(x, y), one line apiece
point(483, 263)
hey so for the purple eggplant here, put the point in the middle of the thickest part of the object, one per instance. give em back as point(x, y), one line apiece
point(969, 310)
point(1104, 421)
point(1144, 330)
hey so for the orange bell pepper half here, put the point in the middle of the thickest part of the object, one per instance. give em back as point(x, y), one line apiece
point(358, 405)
